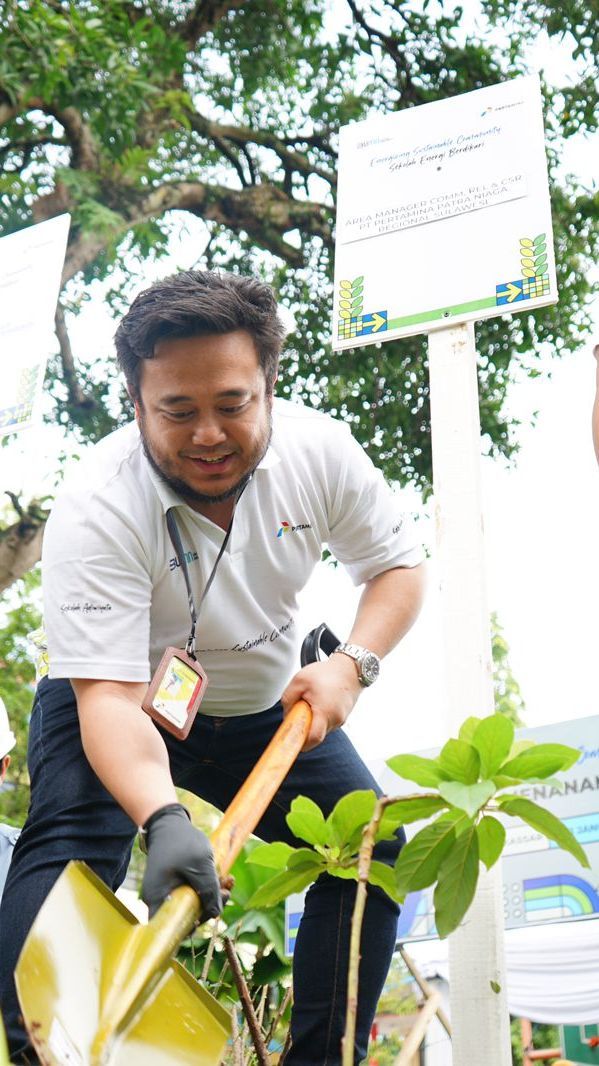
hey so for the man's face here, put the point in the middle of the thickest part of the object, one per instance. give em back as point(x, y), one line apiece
point(204, 415)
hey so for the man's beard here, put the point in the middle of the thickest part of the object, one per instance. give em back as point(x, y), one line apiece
point(187, 492)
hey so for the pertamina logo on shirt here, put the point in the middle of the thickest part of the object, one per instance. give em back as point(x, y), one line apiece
point(288, 527)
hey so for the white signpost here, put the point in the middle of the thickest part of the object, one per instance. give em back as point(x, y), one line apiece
point(443, 218)
point(30, 270)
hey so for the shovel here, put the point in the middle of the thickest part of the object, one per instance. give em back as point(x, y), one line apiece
point(97, 988)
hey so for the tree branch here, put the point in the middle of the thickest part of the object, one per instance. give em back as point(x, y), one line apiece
point(246, 1003)
point(21, 543)
point(389, 45)
point(203, 17)
point(263, 211)
point(86, 154)
point(244, 135)
point(77, 397)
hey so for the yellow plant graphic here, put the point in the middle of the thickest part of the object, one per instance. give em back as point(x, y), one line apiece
point(351, 298)
point(533, 256)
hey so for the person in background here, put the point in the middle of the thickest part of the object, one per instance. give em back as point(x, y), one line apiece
point(8, 834)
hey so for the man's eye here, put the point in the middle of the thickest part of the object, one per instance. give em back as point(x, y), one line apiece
point(233, 410)
point(178, 416)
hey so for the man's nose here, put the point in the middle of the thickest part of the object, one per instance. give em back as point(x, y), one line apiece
point(208, 431)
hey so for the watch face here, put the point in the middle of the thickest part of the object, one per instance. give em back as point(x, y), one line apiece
point(370, 668)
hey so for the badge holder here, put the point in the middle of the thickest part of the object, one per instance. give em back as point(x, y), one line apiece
point(177, 688)
point(175, 692)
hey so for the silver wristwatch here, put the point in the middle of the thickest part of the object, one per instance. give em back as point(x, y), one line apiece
point(369, 664)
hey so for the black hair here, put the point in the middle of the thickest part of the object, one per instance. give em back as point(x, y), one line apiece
point(197, 303)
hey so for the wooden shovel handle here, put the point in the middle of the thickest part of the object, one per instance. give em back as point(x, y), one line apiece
point(248, 806)
point(179, 913)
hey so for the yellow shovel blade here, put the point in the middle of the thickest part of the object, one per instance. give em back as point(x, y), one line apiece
point(98, 989)
point(66, 978)
point(3, 1048)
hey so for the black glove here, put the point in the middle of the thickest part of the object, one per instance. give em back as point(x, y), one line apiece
point(179, 854)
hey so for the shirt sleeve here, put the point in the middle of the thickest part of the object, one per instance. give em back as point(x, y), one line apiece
point(97, 593)
point(368, 530)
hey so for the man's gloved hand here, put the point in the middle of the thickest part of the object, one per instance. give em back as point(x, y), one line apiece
point(179, 854)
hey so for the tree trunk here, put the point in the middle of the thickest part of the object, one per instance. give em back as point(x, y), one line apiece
point(20, 546)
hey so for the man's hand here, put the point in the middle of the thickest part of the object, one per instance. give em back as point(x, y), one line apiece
point(179, 854)
point(331, 688)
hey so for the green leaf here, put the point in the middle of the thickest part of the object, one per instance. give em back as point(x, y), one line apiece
point(384, 877)
point(404, 811)
point(380, 874)
point(456, 882)
point(460, 761)
point(282, 885)
point(469, 798)
point(503, 781)
point(491, 838)
point(544, 822)
point(541, 761)
point(493, 739)
point(424, 772)
point(467, 729)
point(306, 821)
point(419, 859)
point(305, 857)
point(520, 745)
point(269, 969)
point(274, 855)
point(346, 873)
point(350, 814)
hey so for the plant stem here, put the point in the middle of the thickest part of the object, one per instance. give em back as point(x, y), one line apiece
point(262, 1005)
point(246, 1003)
point(286, 1046)
point(364, 861)
point(237, 1041)
point(209, 952)
point(279, 1014)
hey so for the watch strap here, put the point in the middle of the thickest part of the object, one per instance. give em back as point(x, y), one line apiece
point(358, 653)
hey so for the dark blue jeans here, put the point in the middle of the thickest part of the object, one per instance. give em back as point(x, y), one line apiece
point(73, 816)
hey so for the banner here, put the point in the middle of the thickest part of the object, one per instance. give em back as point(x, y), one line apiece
point(30, 272)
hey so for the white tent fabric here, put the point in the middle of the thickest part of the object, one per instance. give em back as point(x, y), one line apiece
point(552, 970)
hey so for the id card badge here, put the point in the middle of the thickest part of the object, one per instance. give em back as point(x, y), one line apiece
point(175, 692)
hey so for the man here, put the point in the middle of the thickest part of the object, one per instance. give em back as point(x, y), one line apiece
point(8, 834)
point(210, 447)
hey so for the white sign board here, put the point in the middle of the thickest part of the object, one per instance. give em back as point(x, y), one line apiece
point(30, 272)
point(443, 215)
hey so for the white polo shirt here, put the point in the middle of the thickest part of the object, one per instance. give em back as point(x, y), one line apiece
point(114, 592)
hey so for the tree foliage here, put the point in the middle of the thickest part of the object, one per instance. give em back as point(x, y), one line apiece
point(508, 695)
point(135, 115)
point(20, 615)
